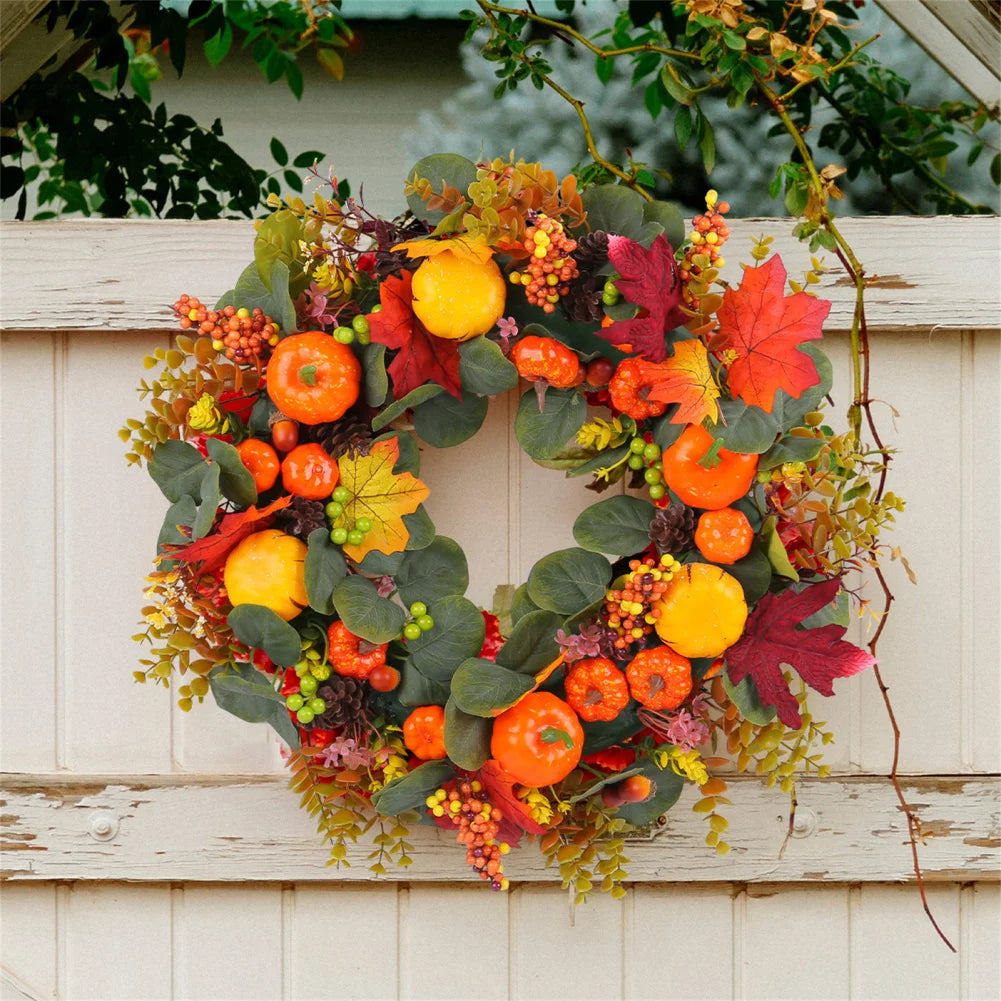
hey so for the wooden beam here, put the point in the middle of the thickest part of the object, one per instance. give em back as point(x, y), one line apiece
point(249, 829)
point(100, 275)
point(962, 36)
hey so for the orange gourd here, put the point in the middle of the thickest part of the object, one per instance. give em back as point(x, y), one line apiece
point(312, 378)
point(711, 486)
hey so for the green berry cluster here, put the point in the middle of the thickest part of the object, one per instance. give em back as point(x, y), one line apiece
point(610, 294)
point(420, 622)
point(305, 703)
point(358, 331)
point(353, 536)
point(646, 455)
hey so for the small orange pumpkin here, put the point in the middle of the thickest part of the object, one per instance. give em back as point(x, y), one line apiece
point(312, 378)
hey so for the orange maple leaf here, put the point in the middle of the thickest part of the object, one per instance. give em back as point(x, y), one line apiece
point(686, 379)
point(214, 548)
point(461, 246)
point(380, 495)
point(761, 327)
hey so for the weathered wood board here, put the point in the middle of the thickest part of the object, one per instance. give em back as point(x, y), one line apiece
point(188, 828)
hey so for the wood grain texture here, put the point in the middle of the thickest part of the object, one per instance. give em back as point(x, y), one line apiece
point(119, 281)
point(227, 829)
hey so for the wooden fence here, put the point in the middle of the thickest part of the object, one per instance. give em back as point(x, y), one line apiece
point(150, 853)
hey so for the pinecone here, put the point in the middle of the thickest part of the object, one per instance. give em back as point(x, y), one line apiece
point(345, 698)
point(352, 433)
point(583, 301)
point(301, 517)
point(673, 529)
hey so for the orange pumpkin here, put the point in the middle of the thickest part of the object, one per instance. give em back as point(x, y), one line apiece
point(710, 486)
point(312, 378)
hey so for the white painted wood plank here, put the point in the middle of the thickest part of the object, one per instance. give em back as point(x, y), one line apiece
point(116, 942)
point(982, 556)
point(28, 939)
point(30, 412)
point(453, 943)
point(678, 942)
point(209, 828)
point(550, 957)
point(112, 514)
point(981, 957)
point(793, 944)
point(894, 955)
point(128, 271)
point(360, 923)
point(469, 498)
point(227, 943)
point(921, 649)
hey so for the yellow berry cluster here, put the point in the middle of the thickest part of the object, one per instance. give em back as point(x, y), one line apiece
point(709, 233)
point(629, 610)
point(550, 268)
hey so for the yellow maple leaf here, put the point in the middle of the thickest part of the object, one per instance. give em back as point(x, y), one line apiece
point(461, 246)
point(686, 379)
point(379, 494)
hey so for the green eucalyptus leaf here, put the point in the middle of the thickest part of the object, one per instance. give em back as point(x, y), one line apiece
point(791, 449)
point(747, 429)
point(373, 360)
point(747, 700)
point(260, 628)
point(416, 689)
point(467, 738)
point(440, 169)
point(209, 504)
point(180, 513)
point(409, 791)
point(443, 421)
point(665, 433)
point(177, 469)
point(421, 528)
point(667, 216)
point(413, 399)
point(375, 619)
point(789, 411)
point(618, 525)
point(568, 580)
point(482, 688)
point(235, 480)
point(543, 434)
point(521, 604)
point(607, 733)
point(433, 572)
point(242, 690)
point(614, 209)
point(532, 644)
point(325, 566)
point(272, 297)
point(376, 563)
point(457, 634)
point(483, 369)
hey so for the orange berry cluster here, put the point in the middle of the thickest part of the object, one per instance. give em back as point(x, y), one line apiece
point(709, 233)
point(241, 334)
point(630, 610)
point(478, 822)
point(550, 268)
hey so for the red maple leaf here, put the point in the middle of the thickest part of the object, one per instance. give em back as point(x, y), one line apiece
point(213, 549)
point(649, 278)
point(763, 326)
point(771, 639)
point(420, 355)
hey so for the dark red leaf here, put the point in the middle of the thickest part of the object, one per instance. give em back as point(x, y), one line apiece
point(421, 356)
point(213, 549)
point(763, 326)
point(499, 786)
point(649, 278)
point(772, 640)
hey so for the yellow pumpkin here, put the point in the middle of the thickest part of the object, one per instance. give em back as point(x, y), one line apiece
point(702, 612)
point(268, 568)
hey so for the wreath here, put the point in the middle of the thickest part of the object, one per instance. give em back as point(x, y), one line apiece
point(300, 579)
